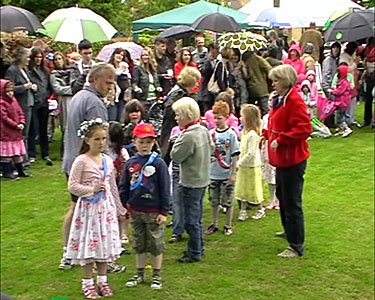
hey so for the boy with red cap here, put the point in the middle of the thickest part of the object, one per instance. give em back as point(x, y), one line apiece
point(145, 191)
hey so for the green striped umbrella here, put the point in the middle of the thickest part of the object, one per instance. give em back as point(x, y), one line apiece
point(75, 24)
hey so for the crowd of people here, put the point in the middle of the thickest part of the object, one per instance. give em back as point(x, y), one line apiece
point(230, 122)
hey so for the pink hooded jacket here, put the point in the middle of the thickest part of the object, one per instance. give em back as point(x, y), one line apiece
point(297, 63)
point(343, 92)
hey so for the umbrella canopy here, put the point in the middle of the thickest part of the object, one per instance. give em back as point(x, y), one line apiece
point(177, 32)
point(107, 51)
point(185, 15)
point(15, 18)
point(306, 11)
point(217, 22)
point(75, 24)
point(243, 41)
point(356, 25)
point(278, 17)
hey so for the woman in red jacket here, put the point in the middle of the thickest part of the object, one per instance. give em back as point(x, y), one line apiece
point(185, 59)
point(288, 128)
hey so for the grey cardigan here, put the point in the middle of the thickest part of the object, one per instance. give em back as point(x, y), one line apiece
point(193, 149)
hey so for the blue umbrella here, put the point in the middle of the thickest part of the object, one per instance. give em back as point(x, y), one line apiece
point(278, 18)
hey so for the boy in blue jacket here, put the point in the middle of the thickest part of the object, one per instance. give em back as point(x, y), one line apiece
point(145, 191)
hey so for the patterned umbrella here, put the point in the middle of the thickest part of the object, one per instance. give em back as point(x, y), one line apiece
point(243, 41)
point(107, 51)
point(74, 24)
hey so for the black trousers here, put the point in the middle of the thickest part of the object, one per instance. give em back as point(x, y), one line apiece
point(39, 123)
point(289, 187)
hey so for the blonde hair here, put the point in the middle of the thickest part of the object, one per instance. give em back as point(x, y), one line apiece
point(284, 73)
point(251, 118)
point(188, 108)
point(151, 65)
point(189, 77)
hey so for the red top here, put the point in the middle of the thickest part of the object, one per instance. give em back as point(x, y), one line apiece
point(178, 66)
point(289, 124)
point(11, 116)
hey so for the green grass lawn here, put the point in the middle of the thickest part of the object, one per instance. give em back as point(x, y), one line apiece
point(338, 263)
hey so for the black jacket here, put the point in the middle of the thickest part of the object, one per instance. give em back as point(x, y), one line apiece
point(141, 79)
point(24, 96)
point(177, 92)
point(163, 65)
point(42, 79)
point(4, 65)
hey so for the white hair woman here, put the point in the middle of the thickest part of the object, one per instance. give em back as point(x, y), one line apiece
point(288, 128)
point(192, 149)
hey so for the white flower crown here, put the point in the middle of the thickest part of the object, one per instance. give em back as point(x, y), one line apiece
point(85, 126)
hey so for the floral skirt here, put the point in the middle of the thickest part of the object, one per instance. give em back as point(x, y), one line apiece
point(12, 148)
point(94, 234)
point(248, 186)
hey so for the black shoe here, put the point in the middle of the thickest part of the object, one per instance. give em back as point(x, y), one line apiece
point(10, 176)
point(8, 171)
point(170, 224)
point(21, 171)
point(365, 124)
point(187, 259)
point(175, 238)
point(49, 162)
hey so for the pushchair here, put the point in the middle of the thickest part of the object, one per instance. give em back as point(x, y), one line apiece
point(155, 113)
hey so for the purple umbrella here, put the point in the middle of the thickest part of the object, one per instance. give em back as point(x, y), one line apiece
point(133, 48)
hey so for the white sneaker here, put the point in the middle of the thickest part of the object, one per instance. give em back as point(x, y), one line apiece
point(65, 264)
point(243, 215)
point(347, 132)
point(261, 213)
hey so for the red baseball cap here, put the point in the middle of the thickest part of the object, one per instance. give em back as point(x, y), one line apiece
point(144, 130)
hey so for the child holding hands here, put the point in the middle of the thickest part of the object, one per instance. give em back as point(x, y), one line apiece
point(223, 166)
point(145, 190)
point(248, 187)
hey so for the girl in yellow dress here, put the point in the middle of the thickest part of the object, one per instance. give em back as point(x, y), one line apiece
point(248, 186)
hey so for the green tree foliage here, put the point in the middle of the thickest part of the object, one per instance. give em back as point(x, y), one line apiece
point(366, 3)
point(120, 15)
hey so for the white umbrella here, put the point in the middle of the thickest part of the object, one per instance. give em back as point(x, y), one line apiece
point(306, 11)
point(74, 24)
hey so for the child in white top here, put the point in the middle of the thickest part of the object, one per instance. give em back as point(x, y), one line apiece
point(248, 186)
point(223, 166)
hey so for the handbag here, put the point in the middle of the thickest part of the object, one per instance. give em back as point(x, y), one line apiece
point(213, 86)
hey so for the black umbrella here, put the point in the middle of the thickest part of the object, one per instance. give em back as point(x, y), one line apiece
point(217, 22)
point(177, 32)
point(356, 25)
point(15, 18)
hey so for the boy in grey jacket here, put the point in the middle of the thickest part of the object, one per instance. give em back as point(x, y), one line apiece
point(192, 149)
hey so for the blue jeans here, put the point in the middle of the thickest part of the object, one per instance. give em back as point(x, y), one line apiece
point(192, 199)
point(177, 205)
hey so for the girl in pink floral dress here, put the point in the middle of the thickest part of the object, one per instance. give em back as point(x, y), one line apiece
point(94, 235)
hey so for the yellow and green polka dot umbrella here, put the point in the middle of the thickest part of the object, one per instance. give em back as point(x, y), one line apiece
point(244, 41)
